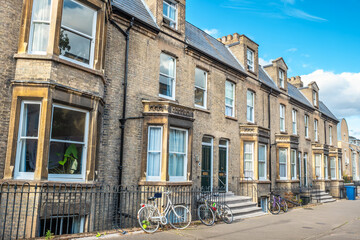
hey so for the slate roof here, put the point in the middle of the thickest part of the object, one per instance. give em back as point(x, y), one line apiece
point(264, 78)
point(297, 95)
point(323, 109)
point(136, 8)
point(205, 43)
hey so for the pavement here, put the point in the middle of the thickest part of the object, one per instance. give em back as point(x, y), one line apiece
point(331, 221)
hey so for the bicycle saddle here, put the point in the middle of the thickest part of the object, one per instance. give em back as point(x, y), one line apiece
point(151, 198)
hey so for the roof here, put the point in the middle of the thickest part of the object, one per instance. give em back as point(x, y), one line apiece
point(297, 95)
point(323, 109)
point(136, 8)
point(266, 79)
point(205, 43)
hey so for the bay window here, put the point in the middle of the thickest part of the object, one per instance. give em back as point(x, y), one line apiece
point(283, 163)
point(178, 154)
point(200, 88)
point(293, 164)
point(326, 173)
point(262, 162)
point(27, 139)
point(167, 76)
point(332, 168)
point(282, 118)
point(77, 33)
point(170, 13)
point(68, 142)
point(249, 160)
point(250, 106)
point(229, 99)
point(318, 166)
point(40, 25)
point(154, 153)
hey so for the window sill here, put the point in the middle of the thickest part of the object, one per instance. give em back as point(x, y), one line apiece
point(164, 183)
point(60, 60)
point(170, 28)
point(288, 181)
point(283, 132)
point(231, 118)
point(164, 98)
point(308, 139)
point(204, 110)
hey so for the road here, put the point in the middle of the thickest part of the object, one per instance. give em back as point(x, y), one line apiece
point(331, 221)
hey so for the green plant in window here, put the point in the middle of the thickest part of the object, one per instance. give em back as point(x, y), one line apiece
point(69, 164)
point(64, 42)
point(49, 235)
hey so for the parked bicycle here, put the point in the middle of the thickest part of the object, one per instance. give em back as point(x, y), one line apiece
point(210, 210)
point(277, 203)
point(150, 218)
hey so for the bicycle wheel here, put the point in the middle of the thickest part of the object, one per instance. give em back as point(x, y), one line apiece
point(179, 217)
point(149, 219)
point(273, 207)
point(206, 215)
point(226, 213)
point(284, 205)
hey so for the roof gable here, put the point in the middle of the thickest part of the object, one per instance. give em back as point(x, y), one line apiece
point(280, 59)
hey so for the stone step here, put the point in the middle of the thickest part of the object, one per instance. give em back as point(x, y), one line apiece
point(256, 214)
point(237, 199)
point(323, 197)
point(246, 211)
point(328, 200)
point(240, 205)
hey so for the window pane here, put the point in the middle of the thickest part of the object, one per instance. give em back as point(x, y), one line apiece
point(223, 142)
point(229, 90)
point(207, 140)
point(167, 65)
point(166, 86)
point(155, 139)
point(28, 151)
point(282, 156)
point(200, 78)
point(199, 97)
point(68, 125)
point(176, 165)
point(65, 158)
point(249, 114)
point(282, 169)
point(78, 17)
point(41, 10)
point(177, 141)
point(165, 8)
point(74, 46)
point(40, 37)
point(250, 99)
point(177, 152)
point(228, 111)
point(30, 125)
point(261, 170)
point(153, 164)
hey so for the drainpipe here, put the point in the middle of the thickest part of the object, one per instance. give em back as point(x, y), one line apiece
point(269, 112)
point(123, 119)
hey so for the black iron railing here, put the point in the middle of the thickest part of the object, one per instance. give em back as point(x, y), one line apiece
point(31, 210)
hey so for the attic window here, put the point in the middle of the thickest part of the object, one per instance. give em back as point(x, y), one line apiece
point(281, 78)
point(250, 59)
point(170, 13)
point(314, 98)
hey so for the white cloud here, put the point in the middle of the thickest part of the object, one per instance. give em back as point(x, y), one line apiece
point(340, 93)
point(354, 126)
point(297, 13)
point(292, 50)
point(213, 32)
point(263, 62)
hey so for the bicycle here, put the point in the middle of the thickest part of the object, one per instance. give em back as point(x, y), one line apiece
point(149, 216)
point(209, 210)
point(277, 203)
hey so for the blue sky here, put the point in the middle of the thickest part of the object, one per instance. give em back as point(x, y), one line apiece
point(319, 40)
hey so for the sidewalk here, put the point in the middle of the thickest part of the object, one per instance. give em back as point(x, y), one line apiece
point(338, 220)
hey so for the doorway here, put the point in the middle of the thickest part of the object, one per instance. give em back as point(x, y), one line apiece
point(207, 164)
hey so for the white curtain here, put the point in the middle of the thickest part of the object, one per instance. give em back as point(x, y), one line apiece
point(40, 25)
point(177, 152)
point(248, 159)
point(154, 151)
point(262, 165)
point(282, 162)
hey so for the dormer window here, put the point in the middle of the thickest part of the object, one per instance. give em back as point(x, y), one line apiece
point(314, 98)
point(250, 59)
point(281, 78)
point(170, 13)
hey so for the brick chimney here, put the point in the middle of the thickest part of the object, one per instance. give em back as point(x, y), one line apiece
point(296, 81)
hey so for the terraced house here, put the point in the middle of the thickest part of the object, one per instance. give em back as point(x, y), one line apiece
point(127, 92)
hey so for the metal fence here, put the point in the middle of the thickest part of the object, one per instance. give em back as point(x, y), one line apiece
point(29, 210)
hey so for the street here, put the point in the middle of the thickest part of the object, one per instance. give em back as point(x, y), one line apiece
point(338, 220)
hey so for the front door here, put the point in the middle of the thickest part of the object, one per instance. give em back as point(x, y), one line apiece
point(223, 165)
point(206, 164)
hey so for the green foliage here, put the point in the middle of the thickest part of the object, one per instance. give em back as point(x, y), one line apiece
point(347, 179)
point(98, 234)
point(49, 235)
point(64, 42)
point(69, 164)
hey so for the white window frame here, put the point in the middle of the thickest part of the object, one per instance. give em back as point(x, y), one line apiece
point(314, 98)
point(204, 89)
point(250, 55)
point(326, 167)
point(92, 38)
point(233, 99)
point(252, 161)
point(17, 173)
point(167, 2)
point(31, 35)
point(227, 161)
point(72, 177)
point(263, 161)
point(306, 122)
point(250, 108)
point(173, 79)
point(318, 166)
point(294, 121)
point(330, 136)
point(180, 178)
point(333, 167)
point(154, 178)
point(282, 78)
point(293, 158)
point(283, 163)
point(282, 117)
point(316, 124)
